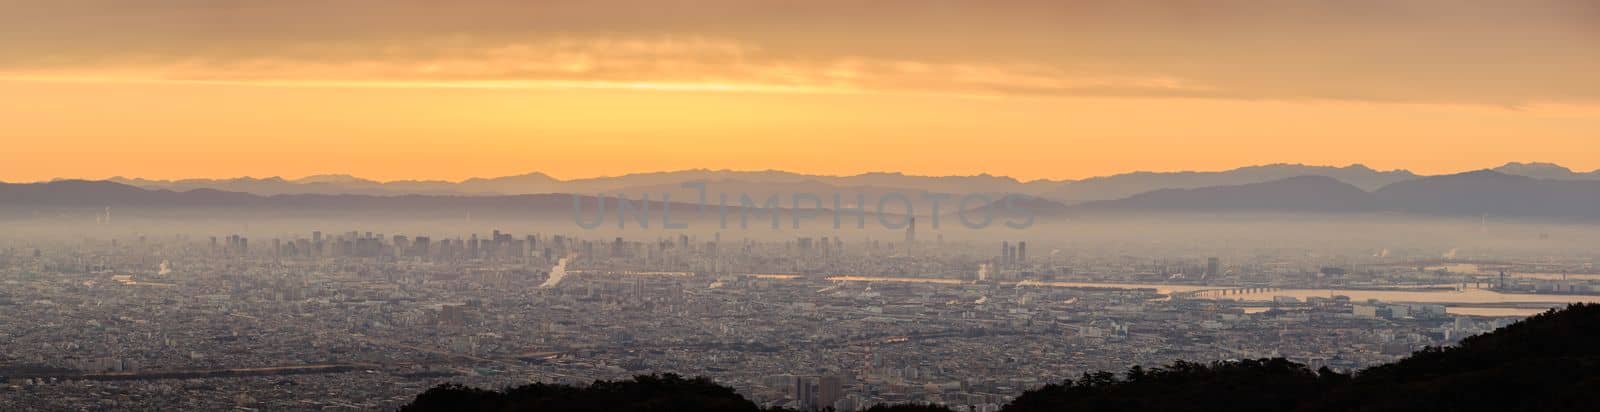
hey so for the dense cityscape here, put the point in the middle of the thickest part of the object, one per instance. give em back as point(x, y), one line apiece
point(363, 320)
point(799, 206)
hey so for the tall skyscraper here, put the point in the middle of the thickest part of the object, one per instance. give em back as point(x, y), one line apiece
point(830, 388)
point(806, 394)
point(911, 231)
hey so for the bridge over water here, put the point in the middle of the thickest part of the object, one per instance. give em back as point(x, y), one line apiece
point(1226, 292)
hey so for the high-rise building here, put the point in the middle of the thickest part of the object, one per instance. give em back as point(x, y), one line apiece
point(420, 246)
point(1213, 267)
point(829, 390)
point(806, 394)
point(911, 230)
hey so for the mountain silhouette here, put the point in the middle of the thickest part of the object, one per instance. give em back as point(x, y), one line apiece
point(1478, 193)
point(1294, 194)
point(1492, 193)
point(1068, 192)
point(1065, 191)
point(1549, 171)
point(1129, 184)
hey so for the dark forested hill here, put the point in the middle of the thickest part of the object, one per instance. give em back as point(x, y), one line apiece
point(643, 393)
point(1547, 362)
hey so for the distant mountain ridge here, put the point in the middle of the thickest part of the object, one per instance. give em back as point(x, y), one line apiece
point(69, 195)
point(1492, 193)
point(1549, 171)
point(531, 183)
point(1484, 192)
point(1298, 194)
point(1479, 193)
point(535, 183)
point(761, 183)
point(1129, 184)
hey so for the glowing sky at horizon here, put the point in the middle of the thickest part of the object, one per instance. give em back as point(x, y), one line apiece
point(415, 89)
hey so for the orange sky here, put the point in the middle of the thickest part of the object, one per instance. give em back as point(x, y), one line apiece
point(175, 89)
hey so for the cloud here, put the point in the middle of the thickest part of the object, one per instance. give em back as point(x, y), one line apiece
point(1484, 52)
point(665, 63)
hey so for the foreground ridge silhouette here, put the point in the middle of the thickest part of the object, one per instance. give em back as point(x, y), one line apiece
point(1547, 362)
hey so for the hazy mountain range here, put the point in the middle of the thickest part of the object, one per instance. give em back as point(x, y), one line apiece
point(760, 184)
point(1555, 193)
point(1484, 192)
